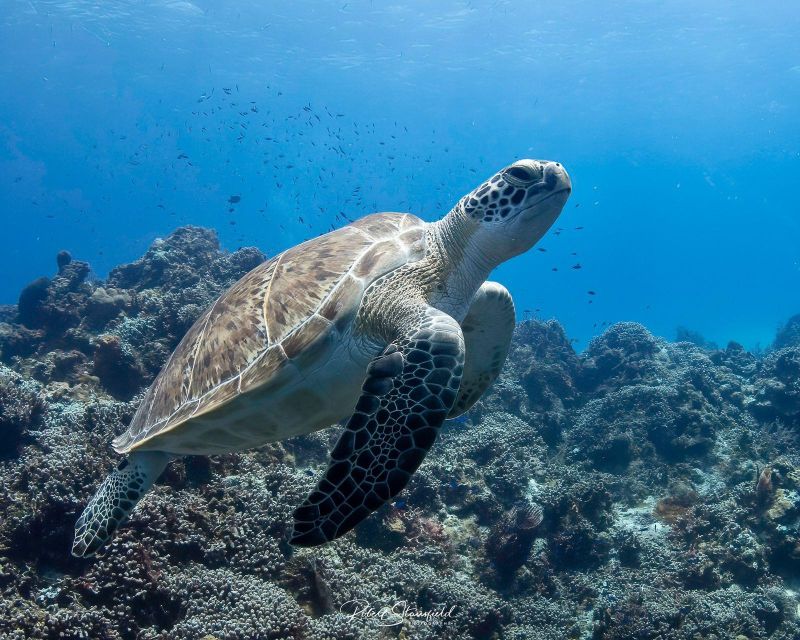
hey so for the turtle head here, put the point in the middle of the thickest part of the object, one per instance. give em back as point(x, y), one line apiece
point(514, 208)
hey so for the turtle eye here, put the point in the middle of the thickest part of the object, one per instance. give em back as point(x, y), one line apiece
point(521, 173)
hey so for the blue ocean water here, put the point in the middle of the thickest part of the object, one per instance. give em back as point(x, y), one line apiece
point(274, 121)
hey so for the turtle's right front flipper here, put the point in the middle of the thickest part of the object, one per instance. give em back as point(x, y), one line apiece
point(406, 397)
point(115, 499)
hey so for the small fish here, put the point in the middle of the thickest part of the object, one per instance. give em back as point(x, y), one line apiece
point(577, 266)
point(591, 293)
point(543, 250)
point(234, 199)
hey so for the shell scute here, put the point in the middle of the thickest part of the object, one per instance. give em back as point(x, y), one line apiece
point(380, 257)
point(341, 305)
point(306, 274)
point(217, 347)
point(279, 319)
point(267, 365)
point(309, 339)
point(382, 225)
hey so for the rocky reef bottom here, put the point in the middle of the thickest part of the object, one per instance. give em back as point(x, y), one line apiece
point(641, 489)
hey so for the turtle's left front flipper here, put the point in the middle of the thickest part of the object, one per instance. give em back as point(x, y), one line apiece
point(409, 390)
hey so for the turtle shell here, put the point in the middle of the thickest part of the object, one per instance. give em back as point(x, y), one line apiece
point(280, 313)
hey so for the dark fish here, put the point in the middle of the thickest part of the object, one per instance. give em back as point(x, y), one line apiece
point(591, 293)
point(234, 199)
point(577, 266)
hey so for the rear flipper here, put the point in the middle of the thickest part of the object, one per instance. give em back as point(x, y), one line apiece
point(115, 499)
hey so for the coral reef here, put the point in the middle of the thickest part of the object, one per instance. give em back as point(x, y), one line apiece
point(777, 389)
point(114, 336)
point(21, 410)
point(789, 334)
point(640, 489)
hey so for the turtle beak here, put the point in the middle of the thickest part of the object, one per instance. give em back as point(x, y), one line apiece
point(557, 178)
point(550, 193)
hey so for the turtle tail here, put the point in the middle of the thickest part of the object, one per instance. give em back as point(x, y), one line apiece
point(115, 499)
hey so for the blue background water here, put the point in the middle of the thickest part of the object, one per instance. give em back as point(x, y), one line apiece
point(677, 120)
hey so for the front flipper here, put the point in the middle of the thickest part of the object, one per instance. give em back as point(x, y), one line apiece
point(407, 394)
point(487, 329)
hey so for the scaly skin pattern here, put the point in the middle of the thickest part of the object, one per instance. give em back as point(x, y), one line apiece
point(405, 399)
point(115, 499)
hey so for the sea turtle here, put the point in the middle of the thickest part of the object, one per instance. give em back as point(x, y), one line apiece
point(388, 320)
